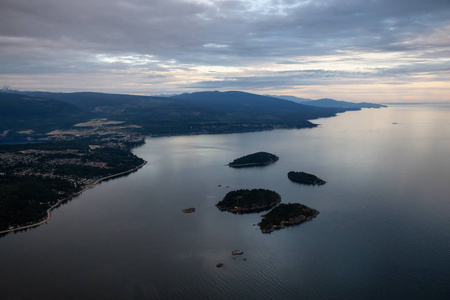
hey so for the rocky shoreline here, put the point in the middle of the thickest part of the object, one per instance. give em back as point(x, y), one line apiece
point(290, 214)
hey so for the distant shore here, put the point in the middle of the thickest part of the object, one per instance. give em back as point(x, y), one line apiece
point(89, 186)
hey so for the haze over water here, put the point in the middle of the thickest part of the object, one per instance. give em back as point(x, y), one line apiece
point(383, 231)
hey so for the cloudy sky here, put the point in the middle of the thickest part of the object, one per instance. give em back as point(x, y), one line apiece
point(366, 50)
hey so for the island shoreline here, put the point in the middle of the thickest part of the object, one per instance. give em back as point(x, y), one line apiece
point(249, 165)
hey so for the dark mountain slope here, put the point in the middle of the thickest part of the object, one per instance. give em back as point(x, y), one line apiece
point(90, 101)
point(326, 102)
point(252, 103)
point(256, 111)
point(19, 112)
point(157, 115)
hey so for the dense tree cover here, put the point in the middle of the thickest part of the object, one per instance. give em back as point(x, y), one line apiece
point(249, 200)
point(20, 112)
point(255, 159)
point(26, 199)
point(286, 214)
point(305, 178)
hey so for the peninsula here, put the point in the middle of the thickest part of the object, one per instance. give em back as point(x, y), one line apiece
point(305, 178)
point(247, 201)
point(255, 159)
point(36, 178)
point(286, 215)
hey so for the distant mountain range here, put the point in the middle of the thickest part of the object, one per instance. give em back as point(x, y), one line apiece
point(290, 98)
point(341, 104)
point(251, 104)
point(193, 113)
point(326, 102)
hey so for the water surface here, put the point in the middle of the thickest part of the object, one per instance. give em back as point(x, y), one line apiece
point(383, 231)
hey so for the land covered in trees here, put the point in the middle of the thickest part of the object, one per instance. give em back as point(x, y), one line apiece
point(286, 215)
point(247, 201)
point(32, 116)
point(35, 177)
point(305, 178)
point(255, 159)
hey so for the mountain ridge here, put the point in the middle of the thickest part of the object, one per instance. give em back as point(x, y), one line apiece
point(328, 102)
point(189, 113)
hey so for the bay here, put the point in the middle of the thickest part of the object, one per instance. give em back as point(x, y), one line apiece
point(383, 231)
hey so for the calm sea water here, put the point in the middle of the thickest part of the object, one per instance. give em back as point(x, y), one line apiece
point(383, 231)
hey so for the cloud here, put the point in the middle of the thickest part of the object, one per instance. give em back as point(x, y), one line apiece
point(262, 38)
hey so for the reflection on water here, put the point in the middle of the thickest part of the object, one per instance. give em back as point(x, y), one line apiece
point(383, 230)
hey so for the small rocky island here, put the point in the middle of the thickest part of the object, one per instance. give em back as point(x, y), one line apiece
point(305, 178)
point(252, 160)
point(286, 215)
point(247, 201)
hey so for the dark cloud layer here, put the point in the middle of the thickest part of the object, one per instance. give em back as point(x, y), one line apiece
point(84, 36)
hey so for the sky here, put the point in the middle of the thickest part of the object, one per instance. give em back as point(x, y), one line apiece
point(369, 50)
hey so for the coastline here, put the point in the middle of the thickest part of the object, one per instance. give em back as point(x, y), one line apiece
point(89, 186)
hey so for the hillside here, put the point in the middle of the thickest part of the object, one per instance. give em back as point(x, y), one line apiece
point(247, 102)
point(290, 98)
point(257, 109)
point(196, 113)
point(155, 115)
point(330, 103)
point(19, 113)
point(96, 102)
point(326, 102)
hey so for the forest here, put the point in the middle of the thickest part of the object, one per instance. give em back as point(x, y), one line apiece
point(305, 178)
point(255, 159)
point(245, 200)
point(285, 215)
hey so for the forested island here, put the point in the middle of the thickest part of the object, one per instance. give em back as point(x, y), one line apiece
point(255, 159)
point(305, 178)
point(286, 215)
point(247, 201)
